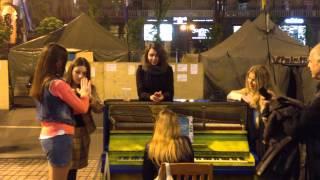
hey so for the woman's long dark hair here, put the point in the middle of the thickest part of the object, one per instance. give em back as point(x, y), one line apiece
point(80, 61)
point(50, 65)
point(161, 53)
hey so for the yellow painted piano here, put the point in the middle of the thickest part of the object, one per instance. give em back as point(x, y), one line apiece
point(220, 134)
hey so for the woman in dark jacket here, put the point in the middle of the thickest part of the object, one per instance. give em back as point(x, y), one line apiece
point(154, 76)
point(167, 145)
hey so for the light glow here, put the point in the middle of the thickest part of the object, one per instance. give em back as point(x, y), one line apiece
point(149, 32)
point(294, 21)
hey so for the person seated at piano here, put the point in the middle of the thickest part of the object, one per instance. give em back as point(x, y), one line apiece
point(257, 81)
point(166, 145)
point(154, 77)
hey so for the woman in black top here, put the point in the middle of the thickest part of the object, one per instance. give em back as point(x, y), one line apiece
point(167, 145)
point(154, 77)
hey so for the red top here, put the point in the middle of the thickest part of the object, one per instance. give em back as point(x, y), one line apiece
point(62, 90)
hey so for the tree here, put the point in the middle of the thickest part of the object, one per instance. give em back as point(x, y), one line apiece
point(219, 13)
point(39, 9)
point(62, 9)
point(5, 32)
point(215, 34)
point(161, 8)
point(135, 40)
point(95, 11)
point(48, 24)
point(95, 8)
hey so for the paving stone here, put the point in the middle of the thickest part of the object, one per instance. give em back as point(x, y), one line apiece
point(36, 169)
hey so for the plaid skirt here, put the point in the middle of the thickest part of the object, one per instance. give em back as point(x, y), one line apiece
point(80, 151)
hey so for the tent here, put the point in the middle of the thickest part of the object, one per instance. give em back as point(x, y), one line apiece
point(258, 42)
point(82, 34)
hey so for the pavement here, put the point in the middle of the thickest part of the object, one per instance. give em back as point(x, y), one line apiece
point(36, 169)
point(21, 156)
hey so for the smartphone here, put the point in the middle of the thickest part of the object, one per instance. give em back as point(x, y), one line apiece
point(263, 92)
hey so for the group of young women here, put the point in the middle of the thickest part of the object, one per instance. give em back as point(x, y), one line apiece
point(64, 103)
point(155, 83)
point(63, 107)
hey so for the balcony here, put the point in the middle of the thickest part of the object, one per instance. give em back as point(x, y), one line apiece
point(135, 13)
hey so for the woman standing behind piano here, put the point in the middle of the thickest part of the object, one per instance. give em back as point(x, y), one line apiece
point(257, 77)
point(166, 145)
point(154, 76)
point(79, 69)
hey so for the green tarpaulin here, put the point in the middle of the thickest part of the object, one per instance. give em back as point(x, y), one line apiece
point(83, 34)
point(256, 42)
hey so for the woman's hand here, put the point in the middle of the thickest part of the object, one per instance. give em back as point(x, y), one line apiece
point(157, 96)
point(85, 88)
point(264, 104)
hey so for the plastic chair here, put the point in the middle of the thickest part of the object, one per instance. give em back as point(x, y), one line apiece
point(187, 171)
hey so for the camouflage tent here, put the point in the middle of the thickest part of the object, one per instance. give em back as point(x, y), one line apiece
point(83, 34)
point(258, 42)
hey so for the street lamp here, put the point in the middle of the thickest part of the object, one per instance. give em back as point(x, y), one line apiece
point(187, 27)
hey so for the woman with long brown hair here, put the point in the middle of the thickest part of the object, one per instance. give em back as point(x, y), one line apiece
point(166, 145)
point(78, 69)
point(154, 77)
point(56, 103)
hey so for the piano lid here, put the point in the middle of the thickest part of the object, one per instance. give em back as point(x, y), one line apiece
point(206, 116)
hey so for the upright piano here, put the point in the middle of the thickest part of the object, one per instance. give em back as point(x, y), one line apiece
point(220, 134)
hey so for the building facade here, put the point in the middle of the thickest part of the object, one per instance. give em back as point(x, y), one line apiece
point(236, 12)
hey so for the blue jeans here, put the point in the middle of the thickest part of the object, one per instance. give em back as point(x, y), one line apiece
point(58, 149)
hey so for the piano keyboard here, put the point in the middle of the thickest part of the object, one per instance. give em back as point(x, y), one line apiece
point(227, 161)
point(216, 161)
point(130, 159)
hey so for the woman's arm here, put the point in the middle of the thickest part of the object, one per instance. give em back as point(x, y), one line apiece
point(143, 96)
point(190, 158)
point(148, 168)
point(169, 89)
point(63, 90)
point(234, 95)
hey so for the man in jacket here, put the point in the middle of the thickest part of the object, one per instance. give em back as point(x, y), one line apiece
point(309, 130)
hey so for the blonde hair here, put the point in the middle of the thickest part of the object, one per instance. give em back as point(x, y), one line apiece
point(263, 79)
point(166, 144)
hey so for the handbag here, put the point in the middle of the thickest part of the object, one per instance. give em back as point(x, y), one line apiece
point(167, 176)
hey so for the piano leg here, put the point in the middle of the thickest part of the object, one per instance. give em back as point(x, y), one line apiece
point(105, 166)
